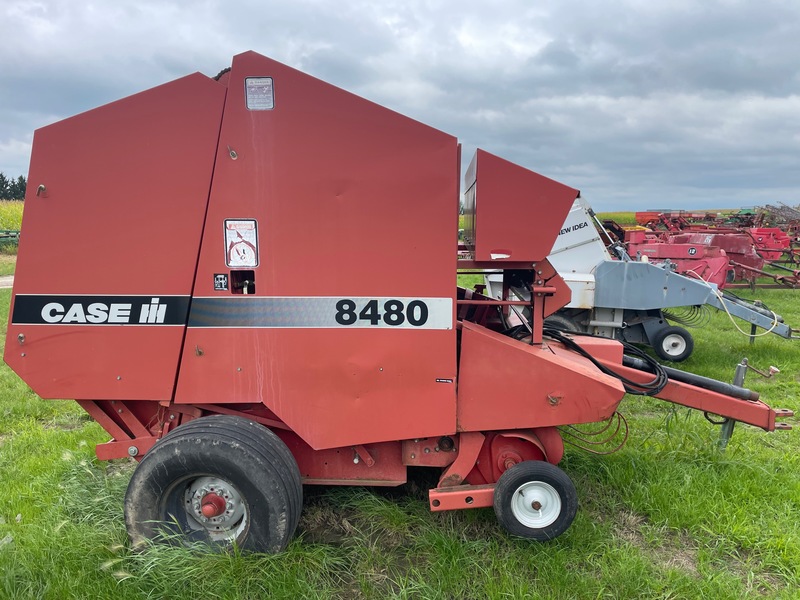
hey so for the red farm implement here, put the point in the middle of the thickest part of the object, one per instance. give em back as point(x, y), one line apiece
point(698, 243)
point(238, 362)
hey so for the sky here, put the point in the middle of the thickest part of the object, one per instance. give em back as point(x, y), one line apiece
point(638, 103)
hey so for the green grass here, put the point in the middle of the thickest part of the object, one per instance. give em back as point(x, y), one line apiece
point(622, 218)
point(11, 214)
point(10, 218)
point(8, 262)
point(669, 516)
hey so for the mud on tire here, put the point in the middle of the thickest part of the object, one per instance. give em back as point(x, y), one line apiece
point(237, 471)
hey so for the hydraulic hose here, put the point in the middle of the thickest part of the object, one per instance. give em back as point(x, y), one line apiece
point(648, 388)
point(697, 380)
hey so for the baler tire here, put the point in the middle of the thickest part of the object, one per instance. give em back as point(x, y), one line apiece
point(248, 469)
point(561, 323)
point(535, 482)
point(671, 336)
point(258, 435)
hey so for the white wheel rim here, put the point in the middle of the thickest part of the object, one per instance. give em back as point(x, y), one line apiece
point(224, 527)
point(536, 504)
point(674, 344)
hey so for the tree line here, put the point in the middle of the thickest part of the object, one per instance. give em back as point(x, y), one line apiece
point(12, 189)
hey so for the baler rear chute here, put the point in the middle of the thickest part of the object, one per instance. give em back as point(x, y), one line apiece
point(278, 307)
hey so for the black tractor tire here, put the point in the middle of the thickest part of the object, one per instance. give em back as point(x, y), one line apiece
point(560, 322)
point(673, 343)
point(535, 500)
point(240, 464)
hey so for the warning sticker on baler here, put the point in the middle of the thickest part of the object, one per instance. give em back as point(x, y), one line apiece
point(259, 93)
point(241, 243)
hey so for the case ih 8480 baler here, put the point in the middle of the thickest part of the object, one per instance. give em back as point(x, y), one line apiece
point(250, 283)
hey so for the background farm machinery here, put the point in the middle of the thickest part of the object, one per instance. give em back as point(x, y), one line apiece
point(238, 363)
point(716, 248)
point(634, 300)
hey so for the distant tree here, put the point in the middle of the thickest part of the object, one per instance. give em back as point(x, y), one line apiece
point(12, 189)
point(16, 188)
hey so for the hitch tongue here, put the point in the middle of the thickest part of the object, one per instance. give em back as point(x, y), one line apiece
point(783, 412)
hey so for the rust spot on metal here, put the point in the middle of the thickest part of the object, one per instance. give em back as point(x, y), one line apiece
point(451, 480)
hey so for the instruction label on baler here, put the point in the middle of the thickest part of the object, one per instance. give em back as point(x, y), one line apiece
point(259, 93)
point(241, 243)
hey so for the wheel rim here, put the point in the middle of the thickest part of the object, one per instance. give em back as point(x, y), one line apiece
point(536, 504)
point(215, 507)
point(674, 344)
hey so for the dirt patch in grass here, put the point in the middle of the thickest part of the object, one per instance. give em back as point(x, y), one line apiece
point(679, 552)
point(321, 523)
point(68, 423)
point(676, 553)
point(121, 467)
point(751, 571)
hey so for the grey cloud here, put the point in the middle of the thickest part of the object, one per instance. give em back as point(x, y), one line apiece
point(693, 103)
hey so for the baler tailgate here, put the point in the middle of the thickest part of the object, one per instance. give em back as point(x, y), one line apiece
point(112, 227)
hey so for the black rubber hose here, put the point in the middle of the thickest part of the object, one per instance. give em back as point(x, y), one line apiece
point(648, 388)
point(697, 380)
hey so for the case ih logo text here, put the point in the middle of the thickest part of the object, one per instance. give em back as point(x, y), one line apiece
point(101, 310)
point(98, 312)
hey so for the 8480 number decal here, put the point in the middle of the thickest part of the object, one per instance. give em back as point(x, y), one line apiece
point(393, 312)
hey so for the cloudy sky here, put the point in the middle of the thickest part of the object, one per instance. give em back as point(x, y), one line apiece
point(638, 103)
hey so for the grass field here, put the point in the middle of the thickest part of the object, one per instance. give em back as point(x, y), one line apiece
point(11, 214)
point(622, 218)
point(8, 263)
point(668, 516)
point(10, 218)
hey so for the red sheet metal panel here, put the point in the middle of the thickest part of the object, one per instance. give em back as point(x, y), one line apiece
point(512, 214)
point(324, 198)
point(112, 235)
point(506, 384)
point(345, 466)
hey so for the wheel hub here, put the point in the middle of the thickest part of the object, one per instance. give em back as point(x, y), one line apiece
point(215, 505)
point(674, 345)
point(212, 505)
point(536, 504)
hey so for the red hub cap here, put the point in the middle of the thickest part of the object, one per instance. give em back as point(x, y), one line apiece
point(212, 505)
